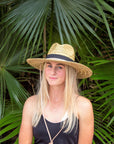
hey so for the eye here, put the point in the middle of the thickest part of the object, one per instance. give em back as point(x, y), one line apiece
point(60, 67)
point(49, 65)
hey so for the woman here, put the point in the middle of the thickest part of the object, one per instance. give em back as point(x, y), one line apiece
point(58, 114)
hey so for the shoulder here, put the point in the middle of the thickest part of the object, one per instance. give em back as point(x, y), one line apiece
point(83, 102)
point(86, 120)
point(29, 104)
point(31, 99)
point(26, 133)
point(84, 107)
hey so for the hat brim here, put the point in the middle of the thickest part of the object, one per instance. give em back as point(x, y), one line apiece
point(82, 70)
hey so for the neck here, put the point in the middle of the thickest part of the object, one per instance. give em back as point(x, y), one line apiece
point(56, 94)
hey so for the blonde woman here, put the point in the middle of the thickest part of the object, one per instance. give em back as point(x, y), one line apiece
point(58, 114)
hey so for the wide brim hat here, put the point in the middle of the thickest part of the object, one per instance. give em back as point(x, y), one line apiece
point(63, 54)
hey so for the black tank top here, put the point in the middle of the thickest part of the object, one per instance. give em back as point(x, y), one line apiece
point(41, 136)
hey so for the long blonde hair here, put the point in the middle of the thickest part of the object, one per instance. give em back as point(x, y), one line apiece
point(70, 96)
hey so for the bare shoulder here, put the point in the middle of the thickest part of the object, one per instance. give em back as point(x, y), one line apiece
point(29, 104)
point(86, 120)
point(26, 134)
point(84, 106)
point(30, 100)
point(83, 102)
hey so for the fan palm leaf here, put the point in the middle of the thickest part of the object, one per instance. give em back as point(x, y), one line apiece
point(102, 96)
point(10, 68)
point(11, 122)
point(99, 4)
point(72, 20)
point(76, 22)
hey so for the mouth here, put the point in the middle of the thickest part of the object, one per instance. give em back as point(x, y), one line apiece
point(53, 78)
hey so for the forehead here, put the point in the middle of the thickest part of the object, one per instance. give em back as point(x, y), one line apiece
point(54, 63)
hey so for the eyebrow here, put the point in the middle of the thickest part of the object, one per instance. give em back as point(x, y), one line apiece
point(60, 64)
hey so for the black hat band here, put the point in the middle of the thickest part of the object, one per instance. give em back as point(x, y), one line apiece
point(59, 57)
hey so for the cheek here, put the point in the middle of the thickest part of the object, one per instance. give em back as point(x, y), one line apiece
point(62, 75)
point(47, 72)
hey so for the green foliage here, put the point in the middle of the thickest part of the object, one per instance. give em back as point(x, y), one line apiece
point(101, 94)
point(85, 24)
point(11, 122)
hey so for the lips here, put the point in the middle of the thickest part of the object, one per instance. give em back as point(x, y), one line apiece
point(53, 78)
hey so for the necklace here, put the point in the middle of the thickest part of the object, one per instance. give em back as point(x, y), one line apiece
point(51, 139)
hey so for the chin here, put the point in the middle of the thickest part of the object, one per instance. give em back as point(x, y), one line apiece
point(55, 84)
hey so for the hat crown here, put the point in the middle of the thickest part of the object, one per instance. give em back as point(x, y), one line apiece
point(64, 50)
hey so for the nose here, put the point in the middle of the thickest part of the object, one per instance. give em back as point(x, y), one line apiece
point(53, 71)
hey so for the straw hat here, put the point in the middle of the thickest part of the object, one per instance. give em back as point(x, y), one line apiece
point(63, 54)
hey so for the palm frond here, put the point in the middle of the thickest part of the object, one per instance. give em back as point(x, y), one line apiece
point(11, 125)
point(109, 8)
point(27, 24)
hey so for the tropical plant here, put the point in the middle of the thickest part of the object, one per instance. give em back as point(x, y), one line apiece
point(28, 28)
point(101, 93)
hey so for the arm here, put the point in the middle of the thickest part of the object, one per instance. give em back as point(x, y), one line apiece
point(86, 121)
point(26, 133)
